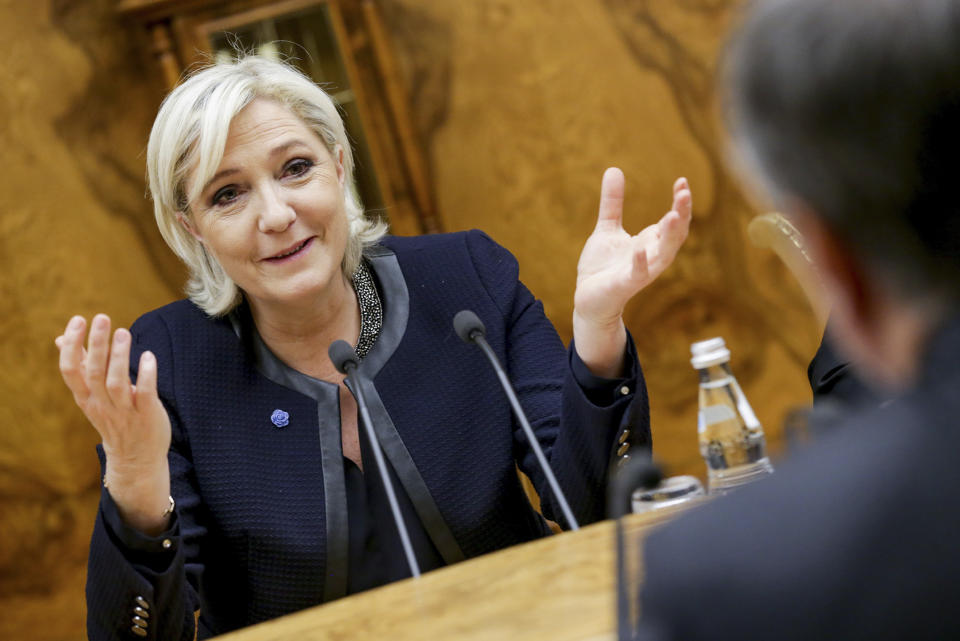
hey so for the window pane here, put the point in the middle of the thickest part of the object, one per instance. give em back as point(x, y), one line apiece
point(306, 38)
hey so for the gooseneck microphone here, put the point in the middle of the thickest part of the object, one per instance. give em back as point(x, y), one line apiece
point(637, 473)
point(346, 361)
point(470, 329)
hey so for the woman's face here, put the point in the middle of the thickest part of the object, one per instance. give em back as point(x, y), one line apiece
point(273, 215)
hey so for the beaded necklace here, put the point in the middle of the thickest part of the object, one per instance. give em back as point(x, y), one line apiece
point(371, 311)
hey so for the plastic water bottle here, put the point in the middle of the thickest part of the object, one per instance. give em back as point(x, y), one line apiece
point(731, 438)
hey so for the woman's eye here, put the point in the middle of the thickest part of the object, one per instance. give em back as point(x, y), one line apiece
point(225, 196)
point(297, 167)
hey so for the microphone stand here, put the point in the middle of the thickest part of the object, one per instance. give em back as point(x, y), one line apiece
point(345, 359)
point(637, 473)
point(470, 329)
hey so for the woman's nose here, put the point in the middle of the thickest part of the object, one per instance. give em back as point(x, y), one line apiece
point(276, 214)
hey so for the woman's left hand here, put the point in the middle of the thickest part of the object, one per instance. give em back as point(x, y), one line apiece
point(614, 266)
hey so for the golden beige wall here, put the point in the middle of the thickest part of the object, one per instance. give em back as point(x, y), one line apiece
point(75, 237)
point(521, 106)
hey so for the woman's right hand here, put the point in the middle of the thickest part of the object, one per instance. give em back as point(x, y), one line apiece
point(132, 422)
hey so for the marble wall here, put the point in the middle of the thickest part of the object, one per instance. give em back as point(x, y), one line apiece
point(523, 105)
point(75, 237)
point(520, 107)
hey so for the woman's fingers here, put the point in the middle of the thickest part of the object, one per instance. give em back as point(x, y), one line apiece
point(631, 262)
point(98, 351)
point(118, 377)
point(672, 230)
point(611, 200)
point(675, 225)
point(146, 388)
point(683, 202)
point(680, 183)
point(675, 233)
point(662, 240)
point(72, 358)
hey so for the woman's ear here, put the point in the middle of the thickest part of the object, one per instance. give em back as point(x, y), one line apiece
point(338, 157)
point(183, 220)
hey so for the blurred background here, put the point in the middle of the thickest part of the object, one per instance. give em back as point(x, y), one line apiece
point(493, 114)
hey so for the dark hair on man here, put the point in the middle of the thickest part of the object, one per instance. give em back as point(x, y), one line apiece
point(851, 108)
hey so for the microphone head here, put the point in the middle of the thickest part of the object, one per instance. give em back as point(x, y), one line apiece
point(638, 473)
point(343, 356)
point(647, 476)
point(468, 326)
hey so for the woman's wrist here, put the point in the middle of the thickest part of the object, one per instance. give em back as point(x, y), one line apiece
point(601, 345)
point(142, 496)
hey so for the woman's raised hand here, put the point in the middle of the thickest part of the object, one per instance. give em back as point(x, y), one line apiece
point(131, 420)
point(614, 266)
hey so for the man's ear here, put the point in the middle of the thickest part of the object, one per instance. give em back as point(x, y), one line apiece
point(842, 274)
point(183, 220)
point(856, 304)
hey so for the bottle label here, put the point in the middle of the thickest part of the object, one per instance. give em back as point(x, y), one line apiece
point(743, 406)
point(717, 382)
point(713, 414)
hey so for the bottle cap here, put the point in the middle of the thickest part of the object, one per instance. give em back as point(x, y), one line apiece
point(712, 351)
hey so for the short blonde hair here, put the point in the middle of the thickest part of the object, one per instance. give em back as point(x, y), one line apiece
point(186, 147)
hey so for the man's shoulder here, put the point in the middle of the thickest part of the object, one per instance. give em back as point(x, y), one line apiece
point(835, 523)
point(815, 490)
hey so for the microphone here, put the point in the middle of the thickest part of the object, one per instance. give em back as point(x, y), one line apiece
point(637, 473)
point(346, 361)
point(470, 329)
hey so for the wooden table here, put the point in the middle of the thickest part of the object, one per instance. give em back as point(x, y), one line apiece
point(558, 588)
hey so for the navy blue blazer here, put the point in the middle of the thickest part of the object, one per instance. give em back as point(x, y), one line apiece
point(254, 534)
point(833, 380)
point(854, 538)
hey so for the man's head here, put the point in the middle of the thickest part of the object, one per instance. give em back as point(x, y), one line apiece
point(846, 113)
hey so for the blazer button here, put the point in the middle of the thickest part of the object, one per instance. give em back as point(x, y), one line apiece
point(140, 623)
point(623, 460)
point(140, 632)
point(142, 603)
point(624, 435)
point(140, 612)
point(623, 449)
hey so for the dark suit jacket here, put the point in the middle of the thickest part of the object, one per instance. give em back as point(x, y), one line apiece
point(833, 380)
point(854, 538)
point(255, 535)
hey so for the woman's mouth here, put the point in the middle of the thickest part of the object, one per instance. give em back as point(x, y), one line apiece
point(290, 253)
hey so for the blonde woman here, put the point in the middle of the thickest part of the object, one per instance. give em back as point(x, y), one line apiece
point(237, 485)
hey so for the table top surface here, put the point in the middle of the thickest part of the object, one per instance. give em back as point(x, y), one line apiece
point(559, 588)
